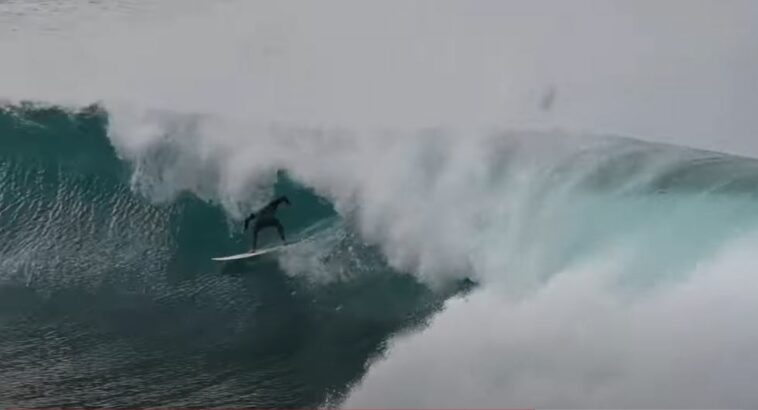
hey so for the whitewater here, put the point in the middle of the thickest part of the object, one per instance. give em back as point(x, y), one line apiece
point(503, 204)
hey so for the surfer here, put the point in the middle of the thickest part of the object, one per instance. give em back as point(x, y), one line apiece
point(266, 217)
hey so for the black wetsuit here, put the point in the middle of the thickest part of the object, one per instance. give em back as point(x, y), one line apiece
point(266, 217)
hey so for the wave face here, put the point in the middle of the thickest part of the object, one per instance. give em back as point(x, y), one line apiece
point(586, 251)
point(109, 298)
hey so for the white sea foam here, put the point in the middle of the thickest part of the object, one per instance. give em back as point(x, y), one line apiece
point(596, 289)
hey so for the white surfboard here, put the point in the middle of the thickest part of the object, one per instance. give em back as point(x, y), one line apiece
point(249, 255)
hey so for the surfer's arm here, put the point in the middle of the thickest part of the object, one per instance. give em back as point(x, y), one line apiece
point(248, 219)
point(281, 199)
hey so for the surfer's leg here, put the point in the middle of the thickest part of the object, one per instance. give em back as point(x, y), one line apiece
point(257, 229)
point(280, 229)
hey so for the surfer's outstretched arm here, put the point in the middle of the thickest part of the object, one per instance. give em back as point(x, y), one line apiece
point(278, 201)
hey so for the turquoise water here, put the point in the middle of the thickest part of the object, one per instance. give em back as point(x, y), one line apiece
point(472, 236)
point(108, 299)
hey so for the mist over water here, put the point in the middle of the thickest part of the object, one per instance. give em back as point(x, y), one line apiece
point(679, 71)
point(428, 144)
